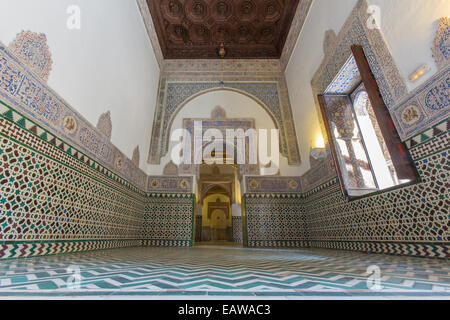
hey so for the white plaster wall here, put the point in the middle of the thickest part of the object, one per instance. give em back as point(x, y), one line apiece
point(108, 64)
point(236, 105)
point(408, 26)
point(306, 58)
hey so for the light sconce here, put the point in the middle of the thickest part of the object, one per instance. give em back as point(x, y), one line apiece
point(419, 72)
point(221, 51)
point(319, 152)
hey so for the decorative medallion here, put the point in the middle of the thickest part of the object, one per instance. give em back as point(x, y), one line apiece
point(154, 183)
point(171, 169)
point(32, 49)
point(69, 125)
point(441, 44)
point(410, 114)
point(184, 184)
point(104, 124)
point(119, 162)
point(293, 184)
point(253, 184)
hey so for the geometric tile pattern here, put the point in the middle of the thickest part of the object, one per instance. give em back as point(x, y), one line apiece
point(169, 219)
point(275, 220)
point(18, 249)
point(44, 199)
point(219, 271)
point(346, 79)
point(237, 229)
point(409, 220)
point(434, 250)
point(54, 199)
point(428, 134)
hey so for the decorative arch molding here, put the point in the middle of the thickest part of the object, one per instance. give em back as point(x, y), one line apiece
point(206, 187)
point(175, 95)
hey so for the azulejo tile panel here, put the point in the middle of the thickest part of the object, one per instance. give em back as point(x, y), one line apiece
point(275, 220)
point(26, 250)
point(237, 229)
point(169, 220)
point(52, 202)
point(54, 199)
point(412, 220)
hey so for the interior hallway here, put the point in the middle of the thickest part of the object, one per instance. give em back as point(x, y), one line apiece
point(224, 271)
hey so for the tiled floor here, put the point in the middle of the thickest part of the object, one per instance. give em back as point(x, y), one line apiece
point(223, 271)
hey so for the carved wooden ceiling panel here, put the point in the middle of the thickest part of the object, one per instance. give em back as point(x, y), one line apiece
point(195, 29)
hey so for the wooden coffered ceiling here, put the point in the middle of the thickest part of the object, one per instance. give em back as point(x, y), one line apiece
point(195, 29)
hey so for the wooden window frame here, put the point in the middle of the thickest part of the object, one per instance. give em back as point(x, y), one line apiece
point(400, 156)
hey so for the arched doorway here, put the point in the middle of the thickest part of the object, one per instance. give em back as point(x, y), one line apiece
point(218, 213)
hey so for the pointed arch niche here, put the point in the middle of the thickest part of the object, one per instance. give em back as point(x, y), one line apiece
point(238, 108)
point(269, 96)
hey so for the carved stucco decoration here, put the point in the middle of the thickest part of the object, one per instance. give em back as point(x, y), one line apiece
point(270, 92)
point(329, 41)
point(441, 43)
point(104, 124)
point(136, 156)
point(171, 169)
point(31, 48)
point(218, 113)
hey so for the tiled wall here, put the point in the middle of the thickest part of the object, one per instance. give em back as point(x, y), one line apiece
point(413, 220)
point(275, 220)
point(54, 199)
point(237, 229)
point(169, 220)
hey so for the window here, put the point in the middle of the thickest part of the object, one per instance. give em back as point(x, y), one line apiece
point(366, 148)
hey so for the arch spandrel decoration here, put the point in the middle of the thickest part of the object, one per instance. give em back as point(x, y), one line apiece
point(268, 94)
